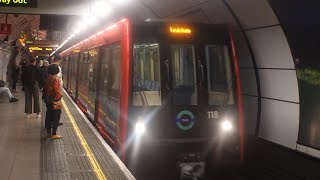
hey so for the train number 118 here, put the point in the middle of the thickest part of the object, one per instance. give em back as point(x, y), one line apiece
point(213, 114)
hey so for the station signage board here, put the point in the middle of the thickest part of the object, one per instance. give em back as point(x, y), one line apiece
point(19, 3)
point(5, 28)
point(42, 43)
point(40, 48)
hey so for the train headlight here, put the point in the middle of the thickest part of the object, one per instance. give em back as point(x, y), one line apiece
point(226, 125)
point(140, 128)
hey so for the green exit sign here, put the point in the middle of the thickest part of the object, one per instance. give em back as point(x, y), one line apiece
point(18, 3)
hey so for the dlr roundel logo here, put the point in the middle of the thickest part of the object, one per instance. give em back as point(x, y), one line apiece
point(185, 120)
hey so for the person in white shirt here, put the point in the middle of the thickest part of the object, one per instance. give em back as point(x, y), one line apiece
point(7, 92)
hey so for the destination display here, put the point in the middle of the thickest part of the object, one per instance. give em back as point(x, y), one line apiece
point(19, 3)
point(180, 30)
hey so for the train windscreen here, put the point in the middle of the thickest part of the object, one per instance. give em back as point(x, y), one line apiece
point(220, 80)
point(146, 75)
point(184, 75)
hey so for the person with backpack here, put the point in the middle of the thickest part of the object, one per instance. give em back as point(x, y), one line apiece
point(31, 89)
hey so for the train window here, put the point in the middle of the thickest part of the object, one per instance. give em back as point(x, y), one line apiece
point(220, 80)
point(65, 70)
point(146, 69)
point(84, 69)
point(184, 76)
point(74, 72)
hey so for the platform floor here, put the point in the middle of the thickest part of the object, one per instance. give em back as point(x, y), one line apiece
point(26, 153)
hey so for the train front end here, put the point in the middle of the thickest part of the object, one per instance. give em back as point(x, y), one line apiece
point(183, 97)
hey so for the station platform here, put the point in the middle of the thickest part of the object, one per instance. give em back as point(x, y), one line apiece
point(26, 153)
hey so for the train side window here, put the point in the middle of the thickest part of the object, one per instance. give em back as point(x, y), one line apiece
point(146, 75)
point(220, 81)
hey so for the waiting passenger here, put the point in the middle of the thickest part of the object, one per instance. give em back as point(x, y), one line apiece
point(52, 90)
point(57, 60)
point(6, 90)
point(31, 88)
point(44, 74)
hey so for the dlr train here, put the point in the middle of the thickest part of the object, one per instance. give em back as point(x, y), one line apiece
point(160, 85)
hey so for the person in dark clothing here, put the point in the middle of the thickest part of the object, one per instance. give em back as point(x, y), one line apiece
point(52, 91)
point(31, 88)
point(44, 74)
point(15, 77)
point(23, 73)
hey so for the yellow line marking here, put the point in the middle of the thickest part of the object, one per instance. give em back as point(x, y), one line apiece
point(93, 161)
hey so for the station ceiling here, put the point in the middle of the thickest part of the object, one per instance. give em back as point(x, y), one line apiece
point(204, 11)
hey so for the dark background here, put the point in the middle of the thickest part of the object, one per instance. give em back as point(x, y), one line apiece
point(300, 19)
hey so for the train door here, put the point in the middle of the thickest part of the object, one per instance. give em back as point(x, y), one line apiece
point(183, 75)
point(109, 90)
point(73, 75)
point(199, 85)
point(64, 67)
point(68, 75)
point(87, 81)
point(216, 89)
point(219, 80)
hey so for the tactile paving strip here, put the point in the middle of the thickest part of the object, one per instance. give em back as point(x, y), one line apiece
point(66, 159)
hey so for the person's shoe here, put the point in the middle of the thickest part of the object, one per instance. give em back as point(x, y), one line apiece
point(28, 116)
point(13, 99)
point(56, 137)
point(60, 124)
point(38, 115)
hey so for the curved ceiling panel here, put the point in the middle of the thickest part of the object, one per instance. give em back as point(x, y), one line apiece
point(253, 13)
point(167, 8)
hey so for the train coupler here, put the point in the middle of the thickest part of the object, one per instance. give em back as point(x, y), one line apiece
point(191, 166)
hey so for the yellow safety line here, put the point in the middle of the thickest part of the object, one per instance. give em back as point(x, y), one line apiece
point(94, 163)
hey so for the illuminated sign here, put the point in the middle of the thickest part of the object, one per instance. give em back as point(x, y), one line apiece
point(180, 30)
point(35, 49)
point(49, 49)
point(76, 50)
point(93, 52)
point(29, 42)
point(185, 120)
point(19, 3)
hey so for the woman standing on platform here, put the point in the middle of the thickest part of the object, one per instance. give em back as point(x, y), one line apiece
point(53, 97)
point(31, 89)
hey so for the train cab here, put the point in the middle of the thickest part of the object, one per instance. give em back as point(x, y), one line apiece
point(159, 85)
